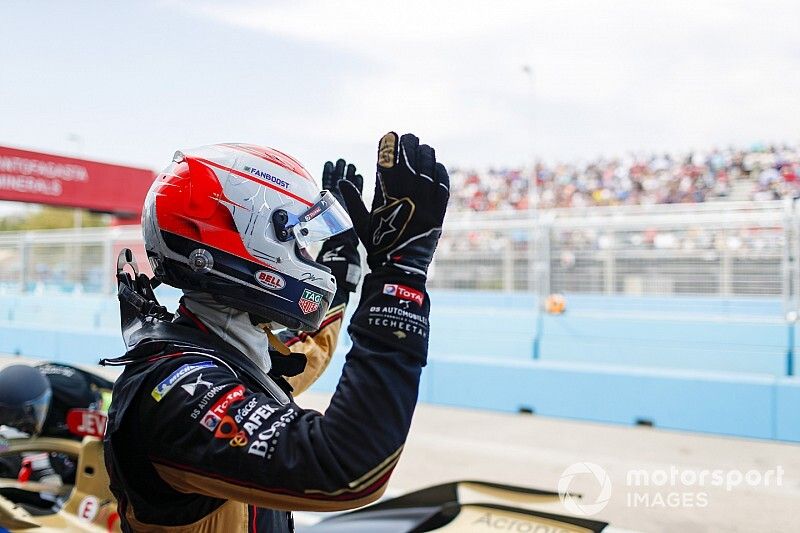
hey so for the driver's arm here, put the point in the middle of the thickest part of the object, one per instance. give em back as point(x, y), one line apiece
point(247, 447)
point(286, 457)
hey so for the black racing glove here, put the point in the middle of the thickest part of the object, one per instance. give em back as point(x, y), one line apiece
point(340, 252)
point(400, 235)
point(411, 194)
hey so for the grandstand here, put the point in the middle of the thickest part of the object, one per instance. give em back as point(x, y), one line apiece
point(759, 173)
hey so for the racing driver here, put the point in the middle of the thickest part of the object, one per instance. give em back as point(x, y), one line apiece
point(203, 433)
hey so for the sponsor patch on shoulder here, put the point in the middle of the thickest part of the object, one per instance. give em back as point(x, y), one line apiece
point(401, 292)
point(170, 381)
point(217, 411)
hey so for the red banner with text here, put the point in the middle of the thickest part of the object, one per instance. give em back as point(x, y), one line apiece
point(69, 182)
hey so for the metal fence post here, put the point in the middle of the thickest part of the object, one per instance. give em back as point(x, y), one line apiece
point(508, 267)
point(108, 250)
point(23, 260)
point(610, 264)
point(542, 269)
point(792, 277)
point(532, 229)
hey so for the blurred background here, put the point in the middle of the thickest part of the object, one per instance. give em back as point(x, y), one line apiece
point(623, 239)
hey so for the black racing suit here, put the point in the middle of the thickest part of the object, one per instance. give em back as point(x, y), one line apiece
point(199, 439)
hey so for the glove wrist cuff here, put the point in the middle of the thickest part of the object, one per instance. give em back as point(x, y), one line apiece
point(394, 310)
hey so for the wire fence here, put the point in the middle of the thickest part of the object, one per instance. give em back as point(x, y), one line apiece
point(723, 249)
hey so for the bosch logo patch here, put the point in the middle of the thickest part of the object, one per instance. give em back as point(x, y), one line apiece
point(404, 293)
point(270, 280)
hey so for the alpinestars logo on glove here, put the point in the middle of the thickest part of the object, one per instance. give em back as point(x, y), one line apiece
point(392, 220)
point(309, 302)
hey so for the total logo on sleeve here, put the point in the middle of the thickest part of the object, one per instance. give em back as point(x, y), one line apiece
point(217, 411)
point(402, 292)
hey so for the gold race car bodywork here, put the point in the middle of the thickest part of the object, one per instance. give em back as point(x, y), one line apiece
point(89, 506)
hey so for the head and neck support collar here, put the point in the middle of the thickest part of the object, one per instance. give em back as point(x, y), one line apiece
point(147, 329)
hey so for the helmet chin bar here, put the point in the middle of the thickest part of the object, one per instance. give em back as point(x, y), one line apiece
point(138, 302)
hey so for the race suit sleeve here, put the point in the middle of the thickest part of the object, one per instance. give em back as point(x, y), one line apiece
point(207, 433)
point(318, 348)
point(340, 255)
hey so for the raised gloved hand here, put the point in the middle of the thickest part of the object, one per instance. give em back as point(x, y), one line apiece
point(411, 194)
point(340, 252)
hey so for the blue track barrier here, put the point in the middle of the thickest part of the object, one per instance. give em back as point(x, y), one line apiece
point(693, 364)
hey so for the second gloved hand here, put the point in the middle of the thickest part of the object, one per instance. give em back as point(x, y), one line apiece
point(340, 252)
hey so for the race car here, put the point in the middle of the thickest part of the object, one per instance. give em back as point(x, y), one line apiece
point(85, 506)
point(457, 507)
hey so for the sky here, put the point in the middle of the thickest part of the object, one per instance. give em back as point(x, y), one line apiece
point(487, 83)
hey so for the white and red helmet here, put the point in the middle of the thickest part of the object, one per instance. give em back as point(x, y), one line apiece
point(235, 220)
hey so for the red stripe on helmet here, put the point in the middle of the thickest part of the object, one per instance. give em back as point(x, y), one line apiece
point(252, 178)
point(273, 156)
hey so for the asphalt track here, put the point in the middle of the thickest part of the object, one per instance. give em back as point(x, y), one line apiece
point(447, 444)
point(452, 443)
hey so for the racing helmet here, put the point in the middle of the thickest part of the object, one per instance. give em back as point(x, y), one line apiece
point(24, 398)
point(236, 221)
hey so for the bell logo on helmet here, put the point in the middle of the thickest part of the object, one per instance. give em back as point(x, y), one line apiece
point(309, 302)
point(270, 280)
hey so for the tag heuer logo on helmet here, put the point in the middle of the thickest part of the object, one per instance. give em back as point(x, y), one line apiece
point(270, 280)
point(309, 302)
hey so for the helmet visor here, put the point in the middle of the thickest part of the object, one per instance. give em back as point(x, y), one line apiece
point(28, 417)
point(324, 219)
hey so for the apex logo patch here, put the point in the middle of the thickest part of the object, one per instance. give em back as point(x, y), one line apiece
point(401, 292)
point(310, 301)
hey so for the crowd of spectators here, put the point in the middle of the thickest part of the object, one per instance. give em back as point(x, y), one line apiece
point(759, 173)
